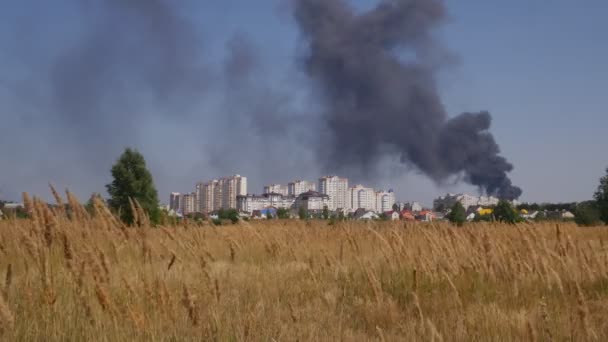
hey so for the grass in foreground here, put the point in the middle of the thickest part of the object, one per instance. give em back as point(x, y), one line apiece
point(91, 278)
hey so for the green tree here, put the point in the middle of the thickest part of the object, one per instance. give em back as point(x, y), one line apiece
point(228, 214)
point(504, 212)
point(601, 198)
point(325, 213)
point(303, 213)
point(587, 214)
point(457, 215)
point(282, 213)
point(132, 180)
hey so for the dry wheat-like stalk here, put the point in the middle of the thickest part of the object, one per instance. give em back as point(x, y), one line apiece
point(103, 298)
point(417, 306)
point(583, 312)
point(7, 320)
point(189, 304)
point(532, 336)
point(8, 279)
point(58, 199)
point(172, 261)
point(218, 293)
point(68, 253)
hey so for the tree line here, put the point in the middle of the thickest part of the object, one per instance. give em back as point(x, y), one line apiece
point(133, 186)
point(588, 213)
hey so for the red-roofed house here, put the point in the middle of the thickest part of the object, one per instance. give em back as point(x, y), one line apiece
point(425, 216)
point(407, 215)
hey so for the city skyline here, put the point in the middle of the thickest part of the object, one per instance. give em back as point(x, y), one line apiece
point(210, 196)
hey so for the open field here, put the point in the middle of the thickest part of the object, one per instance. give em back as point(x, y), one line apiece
point(93, 279)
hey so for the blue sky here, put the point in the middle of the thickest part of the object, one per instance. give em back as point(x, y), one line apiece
point(539, 67)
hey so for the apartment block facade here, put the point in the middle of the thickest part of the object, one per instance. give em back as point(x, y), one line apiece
point(447, 201)
point(175, 201)
point(276, 189)
point(251, 203)
point(298, 187)
point(219, 193)
point(207, 196)
point(384, 201)
point(189, 203)
point(312, 201)
point(337, 189)
point(231, 188)
point(362, 197)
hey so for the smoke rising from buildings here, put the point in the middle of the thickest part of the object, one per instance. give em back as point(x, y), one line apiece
point(89, 78)
point(379, 91)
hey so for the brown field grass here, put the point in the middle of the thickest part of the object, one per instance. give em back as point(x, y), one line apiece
point(70, 276)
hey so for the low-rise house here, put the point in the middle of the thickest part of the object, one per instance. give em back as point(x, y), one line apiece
point(559, 215)
point(566, 215)
point(407, 215)
point(392, 215)
point(425, 216)
point(251, 203)
point(530, 215)
point(362, 214)
point(312, 201)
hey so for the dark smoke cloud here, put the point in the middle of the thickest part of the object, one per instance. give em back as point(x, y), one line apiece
point(378, 90)
point(84, 79)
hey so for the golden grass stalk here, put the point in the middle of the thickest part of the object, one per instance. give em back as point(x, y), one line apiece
point(8, 279)
point(7, 320)
point(189, 304)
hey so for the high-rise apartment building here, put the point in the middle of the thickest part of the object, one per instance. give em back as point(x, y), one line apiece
point(218, 189)
point(384, 201)
point(298, 187)
point(174, 201)
point(276, 189)
point(337, 190)
point(205, 194)
point(231, 188)
point(362, 197)
point(189, 203)
point(219, 193)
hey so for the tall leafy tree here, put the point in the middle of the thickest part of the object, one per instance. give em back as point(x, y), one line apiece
point(282, 213)
point(505, 212)
point(325, 213)
point(133, 180)
point(601, 198)
point(457, 215)
point(587, 214)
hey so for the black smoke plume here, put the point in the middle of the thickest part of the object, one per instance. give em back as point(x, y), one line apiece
point(378, 89)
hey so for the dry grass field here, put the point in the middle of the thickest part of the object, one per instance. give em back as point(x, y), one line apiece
point(72, 277)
